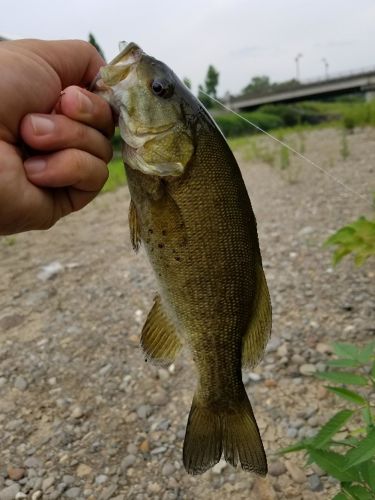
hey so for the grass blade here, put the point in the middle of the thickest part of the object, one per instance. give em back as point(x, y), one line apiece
point(351, 396)
point(364, 451)
point(334, 464)
point(343, 378)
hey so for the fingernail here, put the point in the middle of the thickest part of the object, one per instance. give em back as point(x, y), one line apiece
point(35, 165)
point(42, 125)
point(85, 103)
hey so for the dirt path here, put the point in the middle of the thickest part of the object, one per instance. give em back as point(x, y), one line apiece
point(83, 416)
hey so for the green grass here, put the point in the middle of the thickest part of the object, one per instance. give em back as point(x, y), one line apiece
point(116, 177)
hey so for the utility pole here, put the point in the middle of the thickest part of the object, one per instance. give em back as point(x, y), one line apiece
point(326, 66)
point(297, 58)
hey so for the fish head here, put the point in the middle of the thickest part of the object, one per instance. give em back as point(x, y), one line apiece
point(156, 112)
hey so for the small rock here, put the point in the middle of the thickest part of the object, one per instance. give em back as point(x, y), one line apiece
point(254, 377)
point(270, 383)
point(153, 488)
point(83, 470)
point(168, 469)
point(292, 432)
point(9, 492)
point(48, 482)
point(102, 478)
point(144, 411)
point(73, 493)
point(219, 467)
point(144, 446)
point(323, 348)
point(36, 495)
point(307, 369)
point(296, 473)
point(77, 412)
point(15, 473)
point(3, 381)
point(20, 496)
point(50, 271)
point(127, 462)
point(32, 463)
point(163, 374)
point(306, 230)
point(10, 321)
point(263, 490)
point(297, 359)
point(67, 479)
point(108, 492)
point(276, 468)
point(315, 483)
point(273, 344)
point(20, 383)
point(282, 351)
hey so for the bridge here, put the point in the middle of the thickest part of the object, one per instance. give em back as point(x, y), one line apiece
point(340, 84)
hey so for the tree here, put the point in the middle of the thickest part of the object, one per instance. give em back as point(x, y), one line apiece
point(93, 42)
point(259, 84)
point(212, 80)
point(187, 82)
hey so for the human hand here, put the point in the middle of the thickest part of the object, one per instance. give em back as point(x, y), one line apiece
point(68, 133)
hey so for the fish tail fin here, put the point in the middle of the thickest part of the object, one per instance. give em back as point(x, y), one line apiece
point(232, 431)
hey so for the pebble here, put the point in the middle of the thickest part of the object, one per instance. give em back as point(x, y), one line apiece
point(128, 461)
point(73, 492)
point(20, 496)
point(102, 478)
point(37, 495)
point(296, 473)
point(276, 468)
point(307, 369)
point(144, 446)
point(77, 412)
point(32, 463)
point(20, 383)
point(163, 374)
point(144, 411)
point(15, 473)
point(50, 271)
point(9, 492)
point(48, 482)
point(168, 469)
point(83, 470)
point(315, 483)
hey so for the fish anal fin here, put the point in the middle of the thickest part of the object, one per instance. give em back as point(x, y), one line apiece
point(259, 328)
point(135, 232)
point(159, 340)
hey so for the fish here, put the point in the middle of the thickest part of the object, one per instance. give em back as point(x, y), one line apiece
point(190, 209)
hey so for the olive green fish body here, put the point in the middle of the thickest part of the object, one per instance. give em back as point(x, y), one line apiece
point(196, 222)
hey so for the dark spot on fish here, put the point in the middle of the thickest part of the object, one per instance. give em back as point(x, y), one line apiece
point(173, 250)
point(161, 245)
point(164, 232)
point(151, 231)
point(178, 259)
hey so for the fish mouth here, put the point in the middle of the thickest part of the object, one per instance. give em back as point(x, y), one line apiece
point(130, 54)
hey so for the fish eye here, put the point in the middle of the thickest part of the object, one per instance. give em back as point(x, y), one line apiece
point(162, 88)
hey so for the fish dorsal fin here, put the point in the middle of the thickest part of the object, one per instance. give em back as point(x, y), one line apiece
point(135, 232)
point(259, 328)
point(159, 340)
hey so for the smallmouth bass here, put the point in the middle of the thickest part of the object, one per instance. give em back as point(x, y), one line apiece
point(190, 208)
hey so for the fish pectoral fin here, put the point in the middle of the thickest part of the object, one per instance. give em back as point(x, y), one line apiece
point(159, 340)
point(135, 232)
point(259, 328)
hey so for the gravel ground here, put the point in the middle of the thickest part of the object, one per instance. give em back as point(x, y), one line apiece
point(81, 414)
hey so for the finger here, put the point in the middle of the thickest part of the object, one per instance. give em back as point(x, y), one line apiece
point(75, 61)
point(55, 132)
point(86, 107)
point(68, 168)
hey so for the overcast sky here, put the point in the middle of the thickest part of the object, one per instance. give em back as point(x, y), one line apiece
point(241, 38)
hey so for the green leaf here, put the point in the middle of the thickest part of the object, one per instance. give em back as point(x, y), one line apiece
point(334, 464)
point(343, 363)
point(345, 350)
point(373, 370)
point(301, 445)
point(357, 492)
point(329, 429)
point(342, 377)
point(367, 416)
point(364, 451)
point(368, 473)
point(340, 496)
point(352, 396)
point(366, 353)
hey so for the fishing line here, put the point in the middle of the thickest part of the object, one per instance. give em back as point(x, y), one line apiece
point(297, 153)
